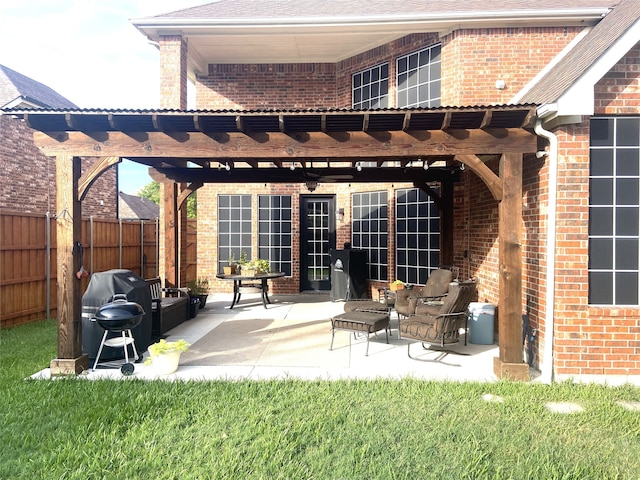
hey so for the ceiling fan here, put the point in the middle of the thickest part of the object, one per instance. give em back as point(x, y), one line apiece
point(327, 178)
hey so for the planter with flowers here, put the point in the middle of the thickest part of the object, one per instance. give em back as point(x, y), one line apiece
point(165, 356)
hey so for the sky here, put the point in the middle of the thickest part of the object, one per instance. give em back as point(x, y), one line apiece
point(89, 52)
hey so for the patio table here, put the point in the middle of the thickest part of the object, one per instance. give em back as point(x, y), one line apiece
point(258, 281)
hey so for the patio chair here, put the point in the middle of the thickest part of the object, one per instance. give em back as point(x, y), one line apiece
point(439, 322)
point(436, 287)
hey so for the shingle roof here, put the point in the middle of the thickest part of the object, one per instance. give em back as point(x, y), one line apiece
point(14, 86)
point(357, 8)
point(131, 206)
point(584, 54)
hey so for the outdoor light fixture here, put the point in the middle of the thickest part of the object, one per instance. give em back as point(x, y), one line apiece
point(227, 167)
point(311, 185)
point(425, 165)
point(358, 166)
point(292, 167)
point(340, 214)
point(462, 167)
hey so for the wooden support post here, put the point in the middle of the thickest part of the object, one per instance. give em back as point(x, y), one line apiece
point(182, 235)
point(510, 363)
point(171, 234)
point(69, 235)
point(446, 223)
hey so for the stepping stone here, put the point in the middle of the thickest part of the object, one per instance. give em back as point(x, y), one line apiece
point(487, 397)
point(563, 407)
point(631, 406)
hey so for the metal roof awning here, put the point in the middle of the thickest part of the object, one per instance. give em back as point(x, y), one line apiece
point(284, 146)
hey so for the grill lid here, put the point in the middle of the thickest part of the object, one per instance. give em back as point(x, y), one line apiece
point(119, 314)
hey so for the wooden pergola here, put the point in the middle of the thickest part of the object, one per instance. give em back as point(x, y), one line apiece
point(189, 148)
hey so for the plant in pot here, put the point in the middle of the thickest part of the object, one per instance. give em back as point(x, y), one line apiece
point(256, 267)
point(232, 268)
point(199, 288)
point(242, 262)
point(165, 356)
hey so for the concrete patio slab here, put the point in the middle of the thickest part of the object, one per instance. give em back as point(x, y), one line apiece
point(291, 338)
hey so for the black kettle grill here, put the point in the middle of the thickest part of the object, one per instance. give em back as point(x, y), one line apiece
point(119, 316)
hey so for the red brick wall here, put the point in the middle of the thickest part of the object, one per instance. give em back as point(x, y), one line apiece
point(173, 73)
point(472, 61)
point(267, 86)
point(28, 178)
point(591, 340)
point(307, 85)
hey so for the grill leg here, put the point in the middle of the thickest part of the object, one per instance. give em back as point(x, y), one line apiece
point(104, 338)
point(333, 333)
point(133, 345)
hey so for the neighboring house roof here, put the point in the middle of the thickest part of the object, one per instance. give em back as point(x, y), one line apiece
point(19, 90)
point(316, 31)
point(569, 83)
point(131, 206)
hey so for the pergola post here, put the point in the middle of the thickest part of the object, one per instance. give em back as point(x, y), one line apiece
point(69, 237)
point(446, 223)
point(510, 363)
point(171, 234)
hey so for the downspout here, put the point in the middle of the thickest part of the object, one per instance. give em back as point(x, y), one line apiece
point(547, 360)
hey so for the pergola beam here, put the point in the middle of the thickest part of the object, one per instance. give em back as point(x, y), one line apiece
point(276, 145)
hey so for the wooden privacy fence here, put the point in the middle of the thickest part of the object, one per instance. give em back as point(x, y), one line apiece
point(28, 264)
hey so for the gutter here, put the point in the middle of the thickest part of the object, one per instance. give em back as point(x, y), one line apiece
point(579, 15)
point(547, 368)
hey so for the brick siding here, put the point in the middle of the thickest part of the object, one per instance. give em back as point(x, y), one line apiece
point(588, 340)
point(28, 178)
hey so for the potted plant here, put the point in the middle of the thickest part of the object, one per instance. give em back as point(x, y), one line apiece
point(199, 288)
point(165, 356)
point(256, 267)
point(242, 262)
point(232, 268)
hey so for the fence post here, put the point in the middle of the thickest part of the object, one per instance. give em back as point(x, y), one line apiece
point(142, 248)
point(120, 243)
point(48, 264)
point(91, 244)
point(157, 246)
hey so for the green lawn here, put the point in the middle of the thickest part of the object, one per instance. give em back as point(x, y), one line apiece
point(76, 429)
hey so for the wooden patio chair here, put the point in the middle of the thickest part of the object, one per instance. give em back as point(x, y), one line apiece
point(439, 322)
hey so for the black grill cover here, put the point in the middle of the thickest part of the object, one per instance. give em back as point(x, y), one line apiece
point(349, 272)
point(102, 287)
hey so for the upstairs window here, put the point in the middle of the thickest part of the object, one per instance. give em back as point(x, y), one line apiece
point(418, 78)
point(370, 88)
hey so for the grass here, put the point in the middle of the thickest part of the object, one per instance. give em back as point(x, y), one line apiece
point(383, 429)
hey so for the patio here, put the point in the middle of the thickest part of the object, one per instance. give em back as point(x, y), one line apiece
point(291, 338)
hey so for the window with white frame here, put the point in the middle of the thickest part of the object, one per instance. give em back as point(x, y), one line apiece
point(274, 231)
point(417, 236)
point(614, 211)
point(234, 228)
point(418, 78)
point(369, 230)
point(370, 88)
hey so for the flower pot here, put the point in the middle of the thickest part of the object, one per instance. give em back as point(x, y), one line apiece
point(230, 270)
point(194, 306)
point(249, 272)
point(166, 362)
point(203, 300)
